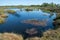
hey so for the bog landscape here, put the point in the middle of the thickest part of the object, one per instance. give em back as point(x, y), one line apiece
point(30, 22)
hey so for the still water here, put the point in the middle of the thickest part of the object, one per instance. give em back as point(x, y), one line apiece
point(13, 22)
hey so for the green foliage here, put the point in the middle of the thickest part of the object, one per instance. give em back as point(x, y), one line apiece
point(49, 5)
point(44, 4)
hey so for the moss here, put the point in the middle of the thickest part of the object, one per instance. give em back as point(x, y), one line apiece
point(51, 35)
point(11, 11)
point(2, 18)
point(10, 36)
point(2, 11)
point(48, 35)
point(31, 31)
point(28, 9)
point(46, 11)
point(2, 21)
point(3, 15)
point(35, 22)
point(33, 38)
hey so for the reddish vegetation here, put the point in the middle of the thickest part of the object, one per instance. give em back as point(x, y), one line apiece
point(35, 22)
point(3, 16)
point(31, 31)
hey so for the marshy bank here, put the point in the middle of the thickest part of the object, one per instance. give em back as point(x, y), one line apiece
point(11, 11)
point(10, 36)
point(3, 16)
point(2, 21)
point(45, 7)
point(48, 35)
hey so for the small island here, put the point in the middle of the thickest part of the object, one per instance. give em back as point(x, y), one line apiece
point(28, 9)
point(35, 22)
point(3, 14)
point(31, 31)
point(11, 11)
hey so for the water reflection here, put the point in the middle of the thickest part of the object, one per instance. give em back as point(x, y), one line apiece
point(16, 14)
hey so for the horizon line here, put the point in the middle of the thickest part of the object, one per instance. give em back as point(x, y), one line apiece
point(24, 4)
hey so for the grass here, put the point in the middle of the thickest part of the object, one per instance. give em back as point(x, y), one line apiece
point(2, 11)
point(11, 11)
point(33, 38)
point(28, 9)
point(35, 22)
point(46, 11)
point(10, 36)
point(51, 35)
point(48, 35)
point(2, 20)
point(3, 15)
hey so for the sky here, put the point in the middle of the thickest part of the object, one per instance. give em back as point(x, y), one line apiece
point(26, 2)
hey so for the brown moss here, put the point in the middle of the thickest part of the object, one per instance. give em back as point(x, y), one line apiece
point(35, 22)
point(3, 16)
point(33, 38)
point(10, 36)
point(11, 11)
point(31, 31)
point(48, 35)
point(2, 21)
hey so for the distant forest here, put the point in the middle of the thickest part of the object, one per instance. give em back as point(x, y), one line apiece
point(34, 6)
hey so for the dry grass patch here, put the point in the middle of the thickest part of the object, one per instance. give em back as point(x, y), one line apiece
point(10, 36)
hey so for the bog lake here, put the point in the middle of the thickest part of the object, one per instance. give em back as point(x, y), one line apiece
point(13, 22)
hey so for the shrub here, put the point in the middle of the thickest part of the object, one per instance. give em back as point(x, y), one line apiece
point(29, 9)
